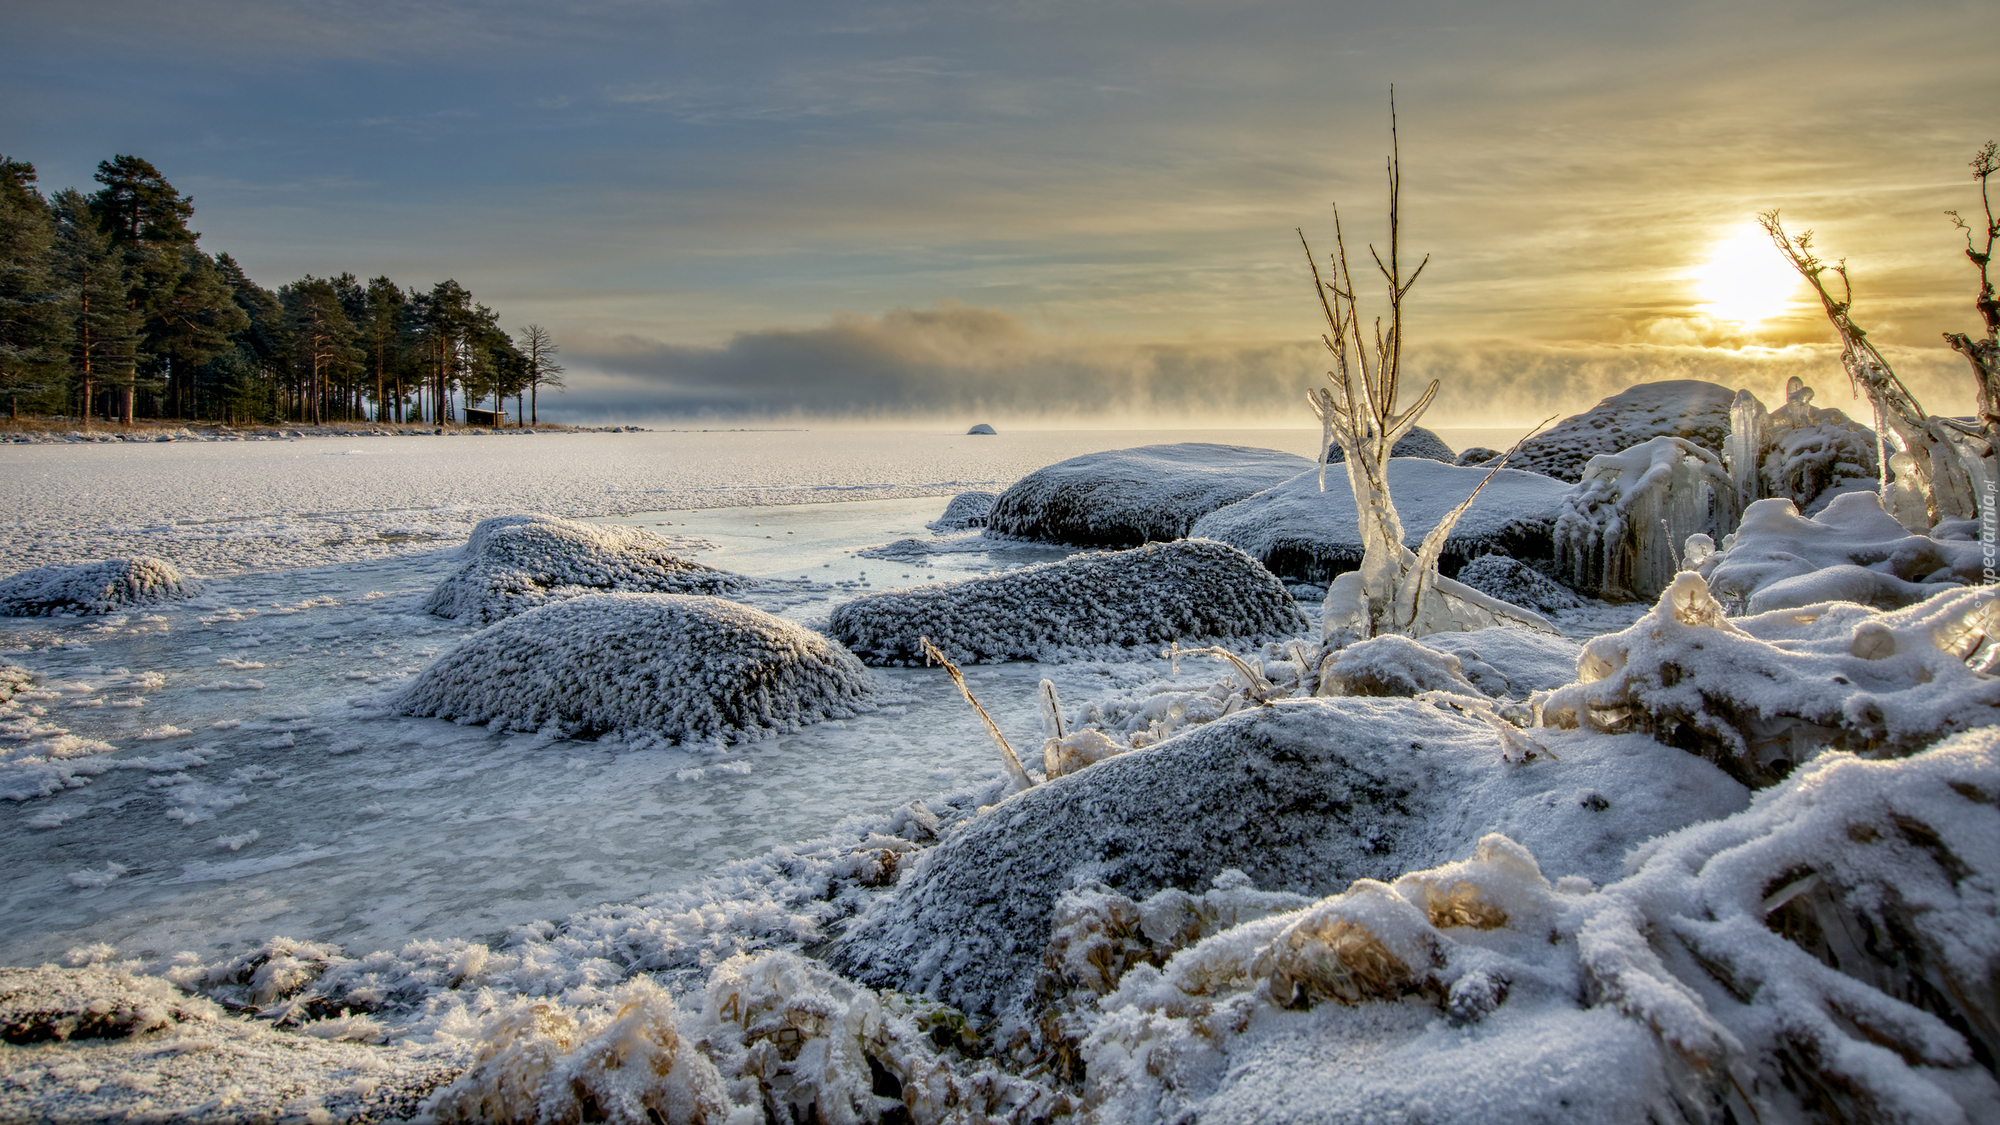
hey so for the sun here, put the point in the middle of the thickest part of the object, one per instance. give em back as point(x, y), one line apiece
point(1745, 280)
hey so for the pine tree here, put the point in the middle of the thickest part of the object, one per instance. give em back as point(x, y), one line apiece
point(245, 377)
point(105, 328)
point(146, 220)
point(323, 339)
point(196, 322)
point(34, 332)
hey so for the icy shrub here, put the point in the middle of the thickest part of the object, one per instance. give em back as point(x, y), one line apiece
point(1622, 526)
point(92, 1002)
point(1160, 592)
point(515, 563)
point(1852, 551)
point(1682, 408)
point(1303, 533)
point(106, 586)
point(1758, 695)
point(1512, 580)
point(1126, 497)
point(1419, 442)
point(675, 665)
point(1392, 666)
point(1302, 796)
point(536, 1065)
point(967, 509)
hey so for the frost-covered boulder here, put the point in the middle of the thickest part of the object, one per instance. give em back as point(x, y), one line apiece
point(680, 666)
point(1419, 442)
point(1125, 497)
point(105, 586)
point(1759, 695)
point(1512, 580)
point(1621, 531)
point(1302, 533)
point(1682, 408)
point(966, 510)
point(1477, 455)
point(93, 1002)
point(1853, 551)
point(1188, 590)
point(515, 563)
point(981, 428)
point(1302, 796)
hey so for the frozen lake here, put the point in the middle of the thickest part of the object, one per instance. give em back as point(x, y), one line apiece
point(257, 788)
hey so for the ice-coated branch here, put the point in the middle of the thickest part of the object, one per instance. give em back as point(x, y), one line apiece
point(1011, 760)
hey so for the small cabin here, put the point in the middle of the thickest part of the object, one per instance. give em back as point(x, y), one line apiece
point(477, 417)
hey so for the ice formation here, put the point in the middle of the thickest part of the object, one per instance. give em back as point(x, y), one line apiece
point(1512, 580)
point(105, 586)
point(515, 563)
point(1622, 526)
point(1184, 590)
point(1682, 408)
point(1759, 695)
point(680, 666)
point(967, 509)
point(1303, 533)
point(1126, 497)
point(1799, 451)
point(91, 1002)
point(1304, 796)
point(1852, 551)
point(1419, 442)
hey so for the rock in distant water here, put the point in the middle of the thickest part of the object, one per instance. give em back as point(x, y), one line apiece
point(966, 510)
point(981, 428)
point(1419, 442)
point(1180, 591)
point(515, 563)
point(1125, 497)
point(105, 586)
point(1683, 408)
point(679, 666)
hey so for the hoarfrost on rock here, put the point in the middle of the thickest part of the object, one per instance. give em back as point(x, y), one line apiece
point(966, 510)
point(1301, 532)
point(1126, 497)
point(1186, 590)
point(680, 666)
point(515, 563)
point(105, 586)
point(91, 1002)
point(1512, 580)
point(1419, 442)
point(1684, 408)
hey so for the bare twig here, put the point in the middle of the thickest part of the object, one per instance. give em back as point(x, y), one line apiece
point(1011, 760)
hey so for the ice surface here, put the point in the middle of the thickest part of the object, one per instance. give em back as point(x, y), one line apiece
point(104, 586)
point(1683, 408)
point(516, 563)
point(682, 666)
point(1303, 533)
point(1851, 551)
point(1126, 497)
point(1187, 590)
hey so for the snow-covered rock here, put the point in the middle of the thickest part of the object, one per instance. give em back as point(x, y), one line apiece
point(92, 1002)
point(1852, 551)
point(966, 510)
point(1419, 442)
point(1300, 532)
point(1510, 663)
point(1683, 408)
point(1302, 796)
point(674, 665)
point(1476, 455)
point(1621, 530)
point(1512, 580)
point(1125, 497)
point(1812, 455)
point(515, 563)
point(1759, 695)
point(1187, 590)
point(981, 428)
point(1393, 666)
point(104, 586)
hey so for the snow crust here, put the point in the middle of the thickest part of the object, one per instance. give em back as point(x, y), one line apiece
point(1682, 408)
point(1191, 589)
point(1852, 551)
point(966, 510)
point(516, 563)
point(1300, 532)
point(684, 667)
point(1126, 497)
point(100, 587)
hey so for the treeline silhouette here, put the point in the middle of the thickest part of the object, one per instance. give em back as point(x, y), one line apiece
point(110, 308)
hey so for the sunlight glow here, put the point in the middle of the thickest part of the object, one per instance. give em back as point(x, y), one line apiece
point(1745, 280)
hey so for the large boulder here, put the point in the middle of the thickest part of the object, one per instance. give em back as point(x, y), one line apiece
point(679, 666)
point(1304, 795)
point(1419, 442)
point(1188, 590)
point(516, 563)
point(966, 510)
point(1302, 533)
point(1125, 497)
point(104, 586)
point(1683, 408)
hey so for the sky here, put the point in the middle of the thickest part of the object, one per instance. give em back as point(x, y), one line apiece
point(1059, 213)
